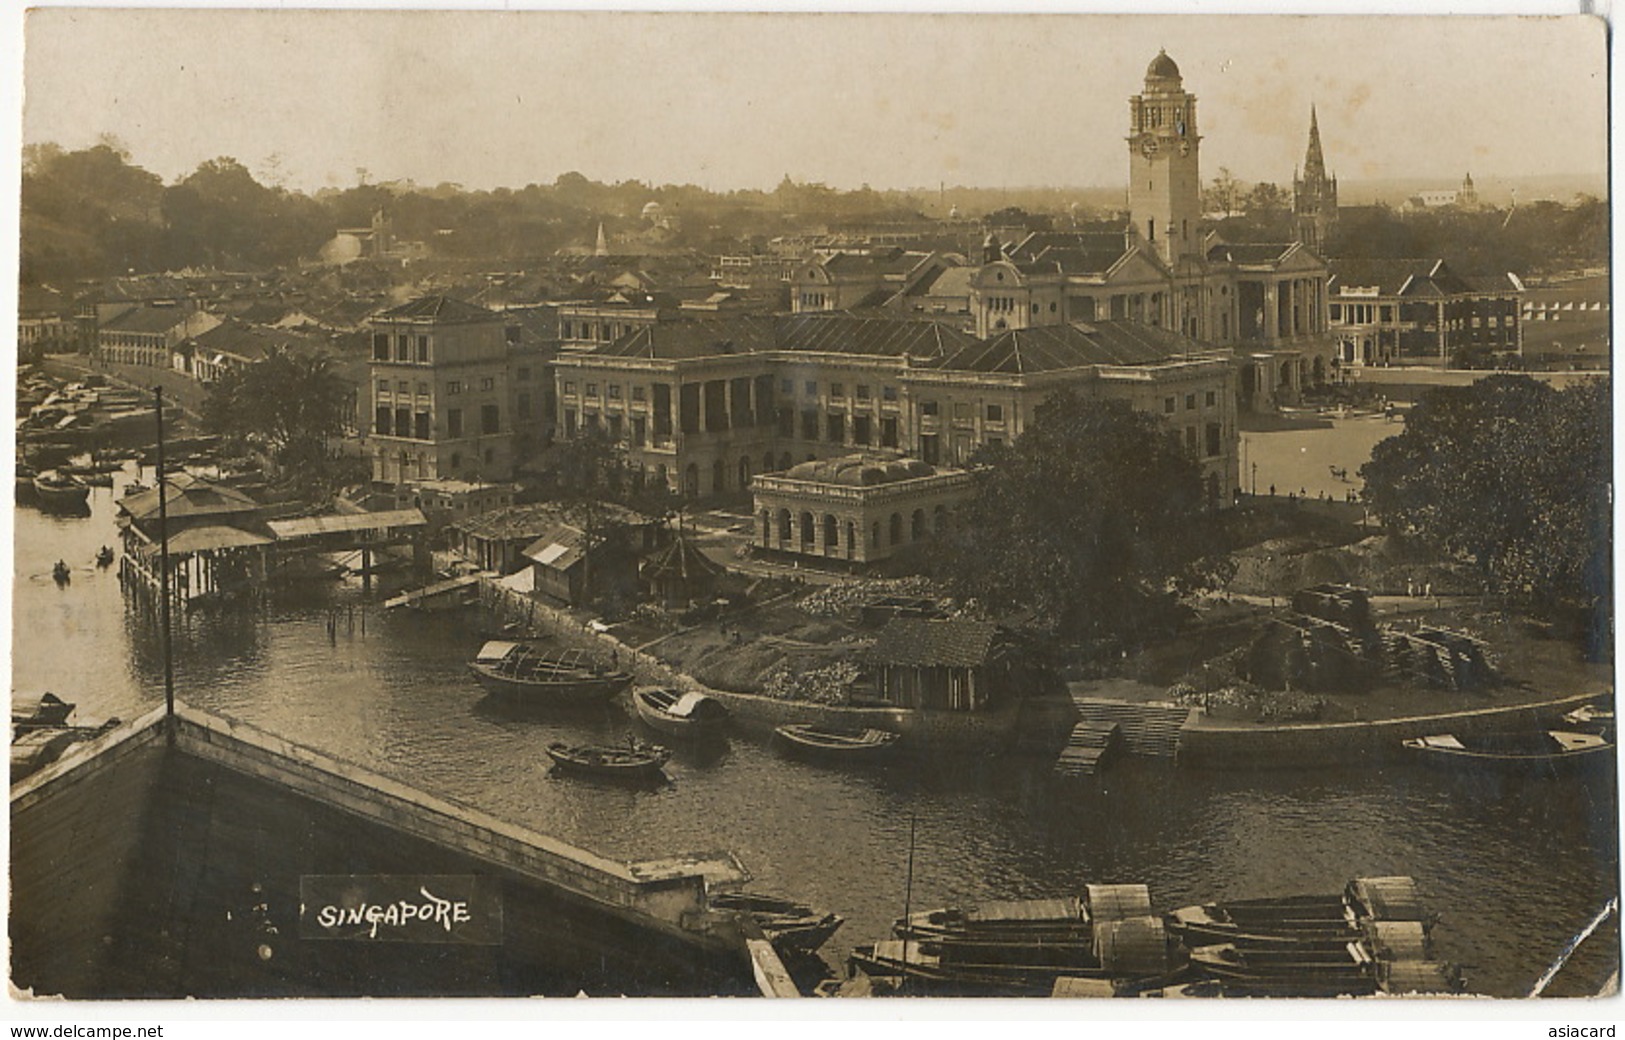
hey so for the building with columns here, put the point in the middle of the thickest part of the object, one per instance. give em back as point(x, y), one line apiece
point(857, 509)
point(704, 406)
point(1384, 311)
point(1264, 301)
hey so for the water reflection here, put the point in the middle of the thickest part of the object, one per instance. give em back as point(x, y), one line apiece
point(1513, 866)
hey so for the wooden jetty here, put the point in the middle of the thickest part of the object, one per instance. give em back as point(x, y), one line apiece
point(1151, 729)
point(442, 595)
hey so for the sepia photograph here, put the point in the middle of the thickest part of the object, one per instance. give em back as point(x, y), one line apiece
point(812, 505)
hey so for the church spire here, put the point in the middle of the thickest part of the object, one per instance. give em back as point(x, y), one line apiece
point(602, 247)
point(1314, 163)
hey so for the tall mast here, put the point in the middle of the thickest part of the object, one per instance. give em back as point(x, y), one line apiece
point(163, 570)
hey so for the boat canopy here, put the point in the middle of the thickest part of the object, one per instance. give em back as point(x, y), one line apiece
point(496, 650)
point(689, 705)
point(1116, 902)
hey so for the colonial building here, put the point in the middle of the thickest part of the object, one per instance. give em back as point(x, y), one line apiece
point(704, 406)
point(1264, 300)
point(441, 378)
point(1383, 311)
point(859, 508)
point(147, 334)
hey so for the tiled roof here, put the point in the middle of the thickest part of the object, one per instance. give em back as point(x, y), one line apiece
point(679, 340)
point(443, 310)
point(1051, 348)
point(933, 643)
point(147, 320)
point(680, 560)
point(873, 337)
point(1414, 277)
point(1096, 238)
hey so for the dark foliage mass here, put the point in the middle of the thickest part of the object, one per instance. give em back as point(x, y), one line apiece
point(286, 405)
point(1090, 521)
point(1513, 476)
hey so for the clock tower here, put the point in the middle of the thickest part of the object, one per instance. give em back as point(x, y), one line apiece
point(1165, 185)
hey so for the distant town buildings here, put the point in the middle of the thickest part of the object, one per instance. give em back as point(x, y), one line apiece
point(1464, 197)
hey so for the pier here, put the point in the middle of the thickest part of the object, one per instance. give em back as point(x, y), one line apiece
point(204, 831)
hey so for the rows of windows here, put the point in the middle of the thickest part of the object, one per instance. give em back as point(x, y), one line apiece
point(417, 424)
point(400, 347)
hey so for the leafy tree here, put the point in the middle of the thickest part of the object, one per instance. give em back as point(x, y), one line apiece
point(1223, 195)
point(1094, 515)
point(1513, 476)
point(287, 404)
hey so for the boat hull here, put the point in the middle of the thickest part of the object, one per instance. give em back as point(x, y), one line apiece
point(61, 497)
point(686, 728)
point(1511, 755)
point(871, 746)
point(578, 692)
point(610, 763)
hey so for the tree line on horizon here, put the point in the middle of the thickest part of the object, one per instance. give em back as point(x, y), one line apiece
point(93, 213)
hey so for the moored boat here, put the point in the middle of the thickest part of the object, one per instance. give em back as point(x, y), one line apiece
point(679, 714)
point(788, 925)
point(104, 556)
point(855, 745)
point(60, 491)
point(46, 710)
point(1307, 923)
point(635, 761)
point(567, 677)
point(1536, 751)
point(60, 573)
point(1293, 973)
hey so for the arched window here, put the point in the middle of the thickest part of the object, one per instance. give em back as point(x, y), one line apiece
point(896, 528)
point(719, 477)
point(832, 533)
point(767, 528)
point(917, 527)
point(807, 530)
point(784, 528)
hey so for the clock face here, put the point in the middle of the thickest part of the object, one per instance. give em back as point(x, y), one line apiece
point(1148, 146)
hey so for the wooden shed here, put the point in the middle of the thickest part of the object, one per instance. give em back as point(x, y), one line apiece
point(948, 664)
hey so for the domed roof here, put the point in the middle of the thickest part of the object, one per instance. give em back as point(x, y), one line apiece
point(1162, 67)
point(340, 249)
point(652, 209)
point(861, 470)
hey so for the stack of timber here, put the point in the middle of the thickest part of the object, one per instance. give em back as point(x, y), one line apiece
point(1089, 749)
point(1147, 729)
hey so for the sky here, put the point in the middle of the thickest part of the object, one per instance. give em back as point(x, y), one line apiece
point(507, 98)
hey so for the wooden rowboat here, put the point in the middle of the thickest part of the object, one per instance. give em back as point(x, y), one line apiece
point(679, 714)
point(833, 742)
point(636, 761)
point(1538, 751)
point(569, 677)
point(59, 491)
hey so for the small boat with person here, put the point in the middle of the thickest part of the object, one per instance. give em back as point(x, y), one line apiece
point(833, 742)
point(60, 573)
point(632, 761)
point(1534, 751)
point(104, 556)
point(567, 677)
point(679, 714)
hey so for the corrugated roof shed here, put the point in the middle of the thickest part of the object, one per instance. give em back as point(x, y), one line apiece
point(345, 523)
point(147, 320)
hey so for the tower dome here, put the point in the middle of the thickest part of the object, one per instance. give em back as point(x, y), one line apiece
point(1162, 72)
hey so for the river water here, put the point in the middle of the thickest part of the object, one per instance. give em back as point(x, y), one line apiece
point(1514, 867)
